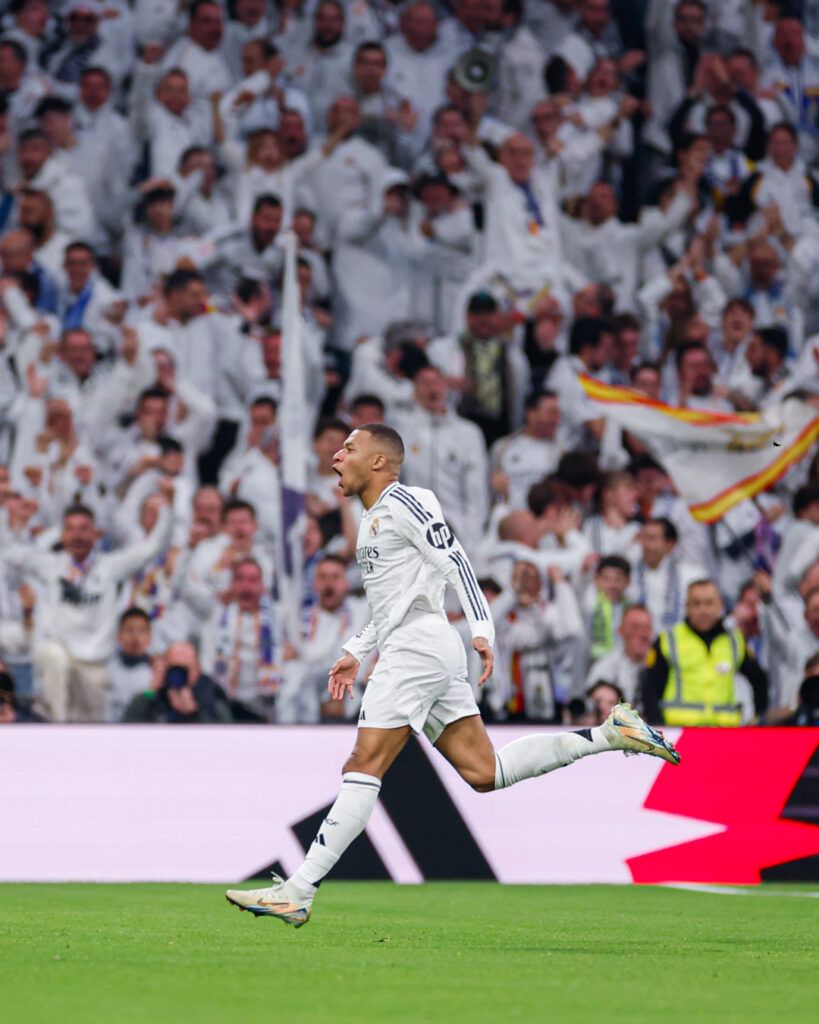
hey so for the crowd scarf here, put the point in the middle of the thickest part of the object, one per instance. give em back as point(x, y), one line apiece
point(78, 571)
point(672, 606)
point(484, 372)
point(229, 645)
point(716, 183)
point(145, 586)
point(74, 311)
point(532, 205)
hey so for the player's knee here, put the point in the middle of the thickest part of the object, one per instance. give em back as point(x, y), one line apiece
point(363, 765)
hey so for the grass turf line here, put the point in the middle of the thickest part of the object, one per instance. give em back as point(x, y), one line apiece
point(465, 953)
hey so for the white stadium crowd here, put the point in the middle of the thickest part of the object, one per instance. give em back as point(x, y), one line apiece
point(489, 197)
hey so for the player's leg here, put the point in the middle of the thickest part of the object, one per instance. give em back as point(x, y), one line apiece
point(374, 752)
point(466, 745)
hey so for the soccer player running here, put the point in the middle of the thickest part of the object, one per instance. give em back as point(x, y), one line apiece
point(407, 555)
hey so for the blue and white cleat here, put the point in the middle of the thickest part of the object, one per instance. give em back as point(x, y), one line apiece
point(629, 733)
point(277, 900)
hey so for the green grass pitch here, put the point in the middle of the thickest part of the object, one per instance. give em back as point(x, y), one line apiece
point(463, 953)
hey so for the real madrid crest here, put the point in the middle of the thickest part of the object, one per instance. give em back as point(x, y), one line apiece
point(376, 526)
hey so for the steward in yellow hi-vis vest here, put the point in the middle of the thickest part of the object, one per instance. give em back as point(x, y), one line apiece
point(692, 668)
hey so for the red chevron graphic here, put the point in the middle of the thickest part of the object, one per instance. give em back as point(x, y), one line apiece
point(740, 779)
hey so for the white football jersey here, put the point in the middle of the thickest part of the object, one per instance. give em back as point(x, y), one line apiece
point(407, 554)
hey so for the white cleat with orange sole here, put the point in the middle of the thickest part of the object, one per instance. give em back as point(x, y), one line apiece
point(277, 900)
point(629, 733)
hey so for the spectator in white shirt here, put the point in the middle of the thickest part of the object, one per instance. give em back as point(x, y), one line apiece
point(198, 53)
point(322, 71)
point(334, 617)
point(660, 579)
point(528, 455)
point(447, 454)
point(42, 169)
point(243, 644)
point(80, 591)
point(129, 670)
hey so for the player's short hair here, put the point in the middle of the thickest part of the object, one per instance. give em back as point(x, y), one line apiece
point(133, 613)
point(669, 529)
point(77, 509)
point(387, 437)
point(267, 400)
point(615, 562)
point(236, 504)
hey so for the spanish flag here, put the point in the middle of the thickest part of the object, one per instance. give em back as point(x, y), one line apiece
point(716, 459)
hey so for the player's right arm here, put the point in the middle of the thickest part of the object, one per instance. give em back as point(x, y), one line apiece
point(344, 671)
point(421, 522)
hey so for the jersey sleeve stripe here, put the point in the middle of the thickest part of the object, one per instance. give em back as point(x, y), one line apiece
point(473, 583)
point(413, 501)
point(475, 611)
point(399, 497)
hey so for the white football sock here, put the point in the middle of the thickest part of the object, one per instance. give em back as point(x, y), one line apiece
point(345, 820)
point(535, 755)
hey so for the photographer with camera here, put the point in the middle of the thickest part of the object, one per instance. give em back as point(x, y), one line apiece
point(180, 692)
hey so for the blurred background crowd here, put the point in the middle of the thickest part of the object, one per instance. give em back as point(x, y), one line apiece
point(489, 197)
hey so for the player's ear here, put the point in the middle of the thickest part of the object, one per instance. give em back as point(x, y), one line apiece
point(379, 460)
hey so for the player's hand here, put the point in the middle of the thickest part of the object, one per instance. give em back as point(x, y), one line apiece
point(481, 645)
point(342, 677)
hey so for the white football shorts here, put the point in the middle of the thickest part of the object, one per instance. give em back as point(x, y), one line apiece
point(419, 680)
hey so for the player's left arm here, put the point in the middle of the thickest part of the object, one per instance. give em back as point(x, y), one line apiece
point(421, 522)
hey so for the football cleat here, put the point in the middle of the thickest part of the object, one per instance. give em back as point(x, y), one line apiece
point(277, 900)
point(629, 733)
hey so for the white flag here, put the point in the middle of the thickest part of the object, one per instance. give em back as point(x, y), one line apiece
point(716, 459)
point(295, 445)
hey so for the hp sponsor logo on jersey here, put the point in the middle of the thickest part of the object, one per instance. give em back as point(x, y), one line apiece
point(440, 536)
